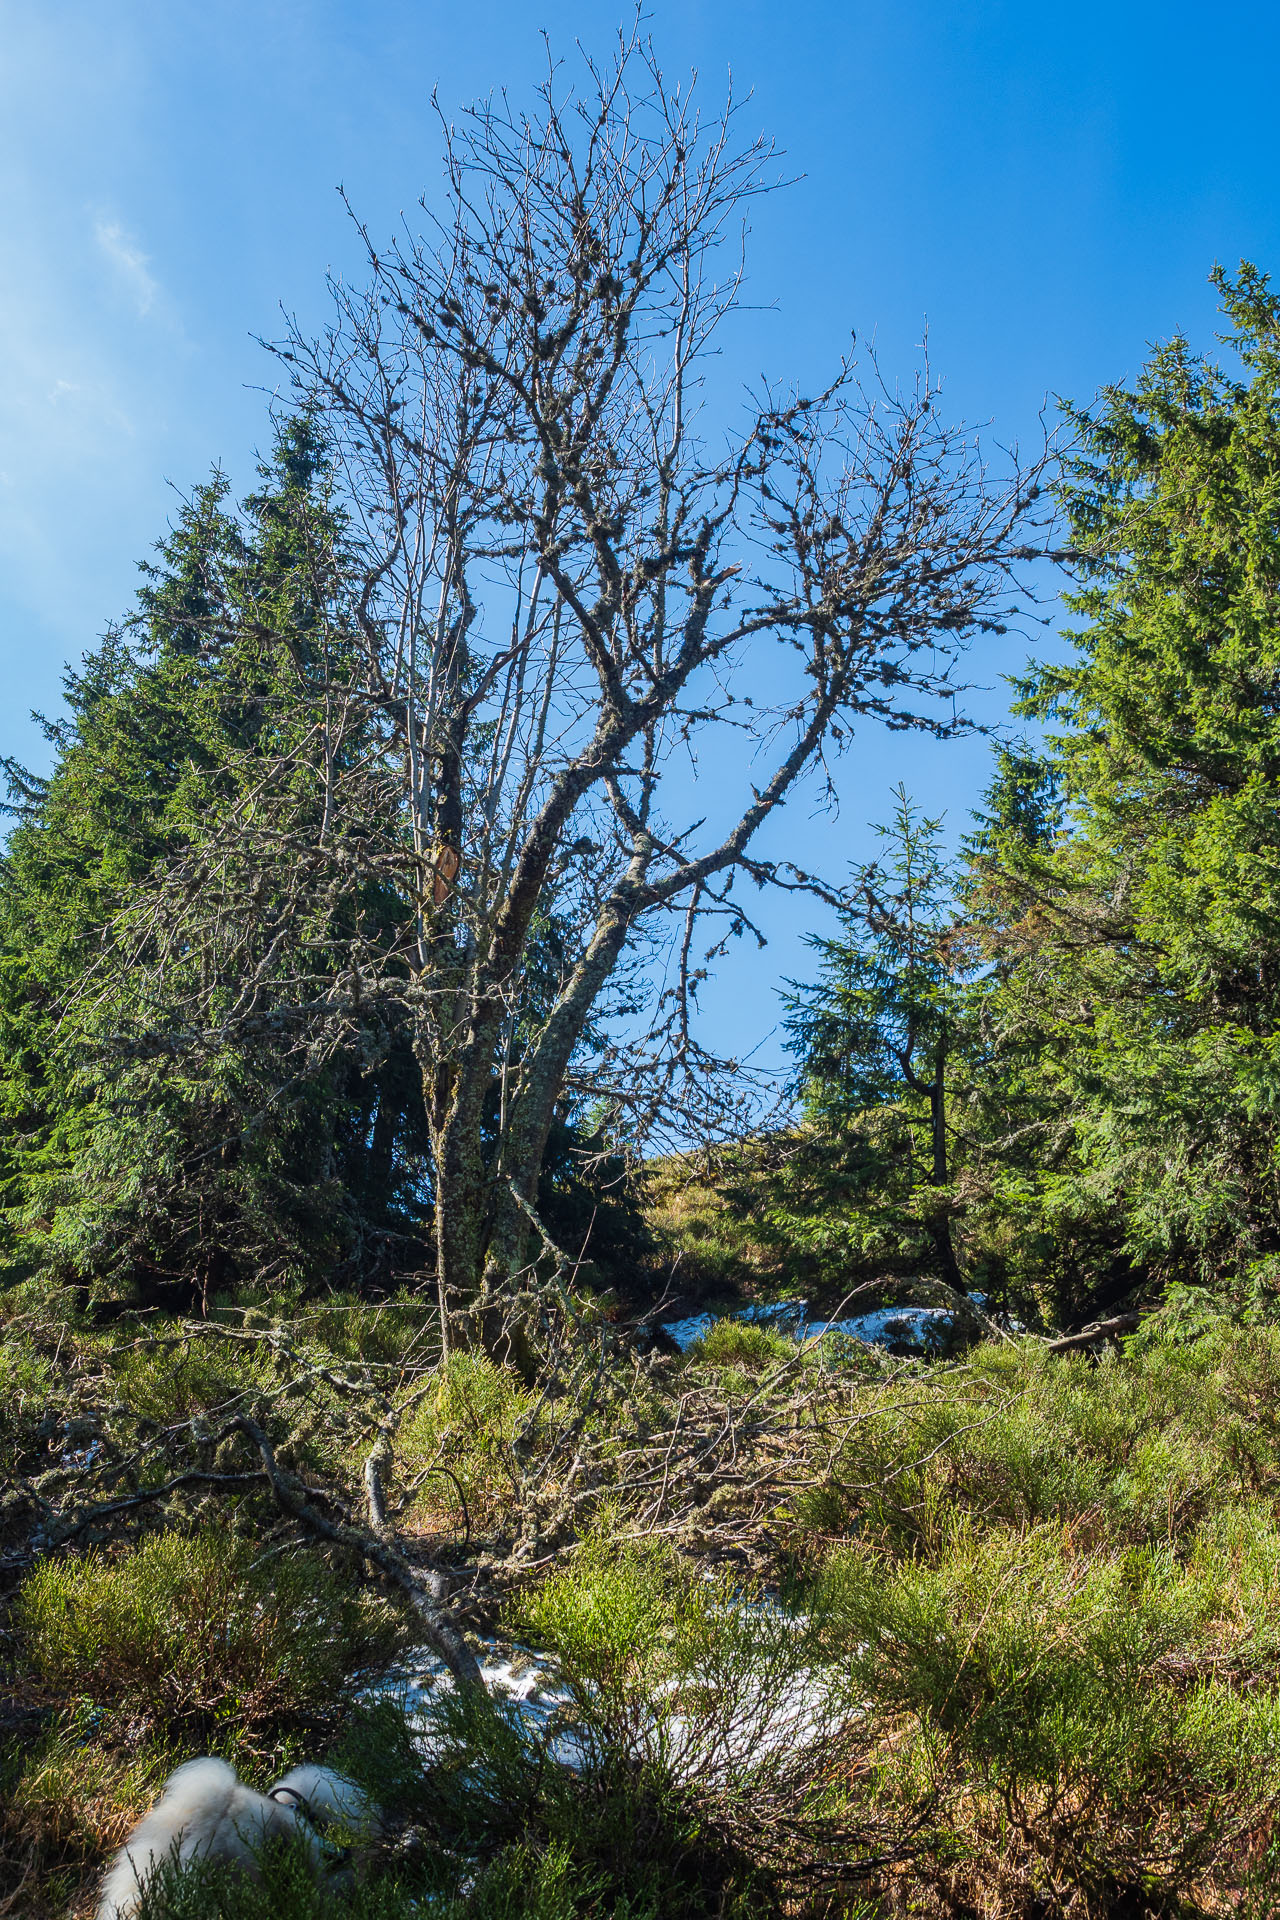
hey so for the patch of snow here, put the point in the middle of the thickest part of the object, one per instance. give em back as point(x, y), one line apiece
point(781, 1712)
point(685, 1332)
point(512, 1675)
point(925, 1329)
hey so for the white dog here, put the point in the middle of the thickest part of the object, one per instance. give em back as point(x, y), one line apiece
point(205, 1812)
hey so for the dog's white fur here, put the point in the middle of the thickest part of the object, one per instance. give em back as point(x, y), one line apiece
point(330, 1799)
point(205, 1812)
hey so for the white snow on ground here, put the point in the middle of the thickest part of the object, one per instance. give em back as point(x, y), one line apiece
point(924, 1328)
point(511, 1674)
point(685, 1332)
point(784, 1711)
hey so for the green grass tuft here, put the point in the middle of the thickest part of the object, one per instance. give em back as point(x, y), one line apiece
point(742, 1345)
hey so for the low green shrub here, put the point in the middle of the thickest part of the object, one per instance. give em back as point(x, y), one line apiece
point(524, 1883)
point(741, 1344)
point(695, 1703)
point(1126, 1451)
point(520, 1883)
point(196, 1633)
point(626, 1838)
point(1085, 1705)
point(25, 1382)
point(612, 1615)
point(165, 1380)
point(467, 1423)
point(66, 1802)
point(287, 1890)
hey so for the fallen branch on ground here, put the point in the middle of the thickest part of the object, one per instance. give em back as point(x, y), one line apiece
point(1120, 1323)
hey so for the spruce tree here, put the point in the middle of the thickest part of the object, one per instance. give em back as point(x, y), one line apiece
point(878, 1037)
point(1136, 924)
point(129, 1163)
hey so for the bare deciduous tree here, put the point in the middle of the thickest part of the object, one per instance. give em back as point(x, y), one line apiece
point(554, 595)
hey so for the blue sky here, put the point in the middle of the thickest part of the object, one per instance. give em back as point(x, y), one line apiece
point(1047, 185)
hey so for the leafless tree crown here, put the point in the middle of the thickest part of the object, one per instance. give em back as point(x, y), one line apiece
point(551, 591)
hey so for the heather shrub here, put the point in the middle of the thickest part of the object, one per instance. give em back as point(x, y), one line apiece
point(1128, 1451)
point(167, 1379)
point(709, 1702)
point(1105, 1717)
point(66, 1802)
point(287, 1890)
point(193, 1633)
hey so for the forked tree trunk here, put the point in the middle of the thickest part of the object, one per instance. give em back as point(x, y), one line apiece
point(484, 1236)
point(552, 572)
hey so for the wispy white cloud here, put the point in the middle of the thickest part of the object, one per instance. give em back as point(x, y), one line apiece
point(129, 261)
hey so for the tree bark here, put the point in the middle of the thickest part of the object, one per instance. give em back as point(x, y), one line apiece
point(944, 1246)
point(1113, 1329)
point(460, 1202)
